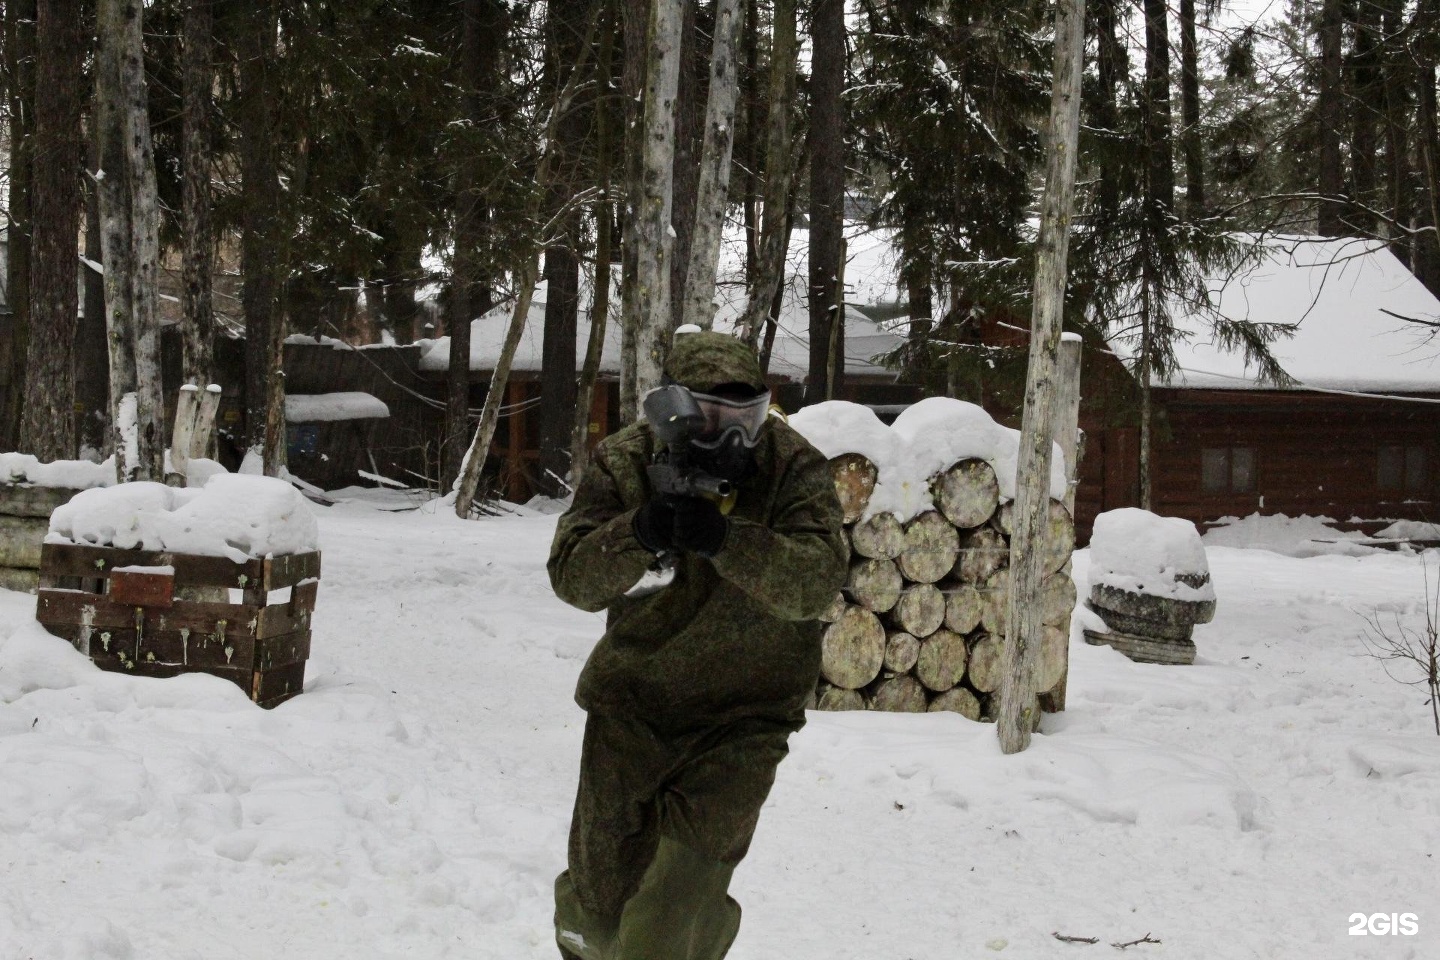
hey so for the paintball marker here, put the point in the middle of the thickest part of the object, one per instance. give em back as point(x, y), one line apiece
point(676, 419)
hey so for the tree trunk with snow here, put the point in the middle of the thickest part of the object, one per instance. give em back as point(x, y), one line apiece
point(198, 257)
point(47, 422)
point(653, 233)
point(130, 219)
point(20, 99)
point(1018, 709)
point(713, 194)
point(778, 167)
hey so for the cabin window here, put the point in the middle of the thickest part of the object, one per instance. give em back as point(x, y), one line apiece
point(1227, 469)
point(1403, 470)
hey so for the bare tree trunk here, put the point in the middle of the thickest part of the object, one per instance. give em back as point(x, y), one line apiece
point(1331, 115)
point(92, 352)
point(198, 258)
point(1028, 549)
point(116, 244)
point(130, 219)
point(636, 15)
point(653, 232)
point(604, 236)
point(47, 423)
point(827, 200)
point(713, 195)
point(557, 365)
point(750, 146)
point(20, 67)
point(486, 23)
point(690, 101)
point(1190, 113)
point(1397, 134)
point(1367, 98)
point(260, 240)
point(778, 167)
point(526, 274)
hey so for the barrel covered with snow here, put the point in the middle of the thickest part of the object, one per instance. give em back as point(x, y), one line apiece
point(927, 438)
point(233, 515)
point(1150, 567)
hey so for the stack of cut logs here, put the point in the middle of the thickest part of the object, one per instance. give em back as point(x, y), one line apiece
point(921, 623)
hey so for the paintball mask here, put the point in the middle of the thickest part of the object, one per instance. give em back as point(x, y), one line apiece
point(730, 422)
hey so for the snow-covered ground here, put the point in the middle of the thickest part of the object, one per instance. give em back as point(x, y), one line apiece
point(414, 802)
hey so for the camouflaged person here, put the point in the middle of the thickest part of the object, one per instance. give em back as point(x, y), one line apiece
point(694, 689)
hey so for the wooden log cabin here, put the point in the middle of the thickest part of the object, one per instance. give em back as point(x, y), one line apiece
point(1355, 437)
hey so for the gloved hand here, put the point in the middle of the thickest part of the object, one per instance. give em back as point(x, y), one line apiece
point(699, 526)
point(655, 525)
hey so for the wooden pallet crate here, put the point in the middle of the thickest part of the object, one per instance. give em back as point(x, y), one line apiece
point(158, 614)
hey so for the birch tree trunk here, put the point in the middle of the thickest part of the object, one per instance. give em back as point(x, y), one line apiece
point(713, 195)
point(653, 233)
point(47, 422)
point(636, 17)
point(130, 218)
point(778, 167)
point(198, 258)
point(1015, 717)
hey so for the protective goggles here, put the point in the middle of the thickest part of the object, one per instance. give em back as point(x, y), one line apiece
point(725, 418)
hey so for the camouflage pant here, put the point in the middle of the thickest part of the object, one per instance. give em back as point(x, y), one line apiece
point(661, 820)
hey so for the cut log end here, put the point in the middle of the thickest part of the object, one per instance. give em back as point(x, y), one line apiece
point(957, 700)
point(902, 694)
point(853, 649)
point(967, 494)
point(854, 482)
point(941, 663)
point(931, 546)
point(875, 584)
point(920, 610)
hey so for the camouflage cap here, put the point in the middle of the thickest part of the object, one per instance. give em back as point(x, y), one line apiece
point(704, 360)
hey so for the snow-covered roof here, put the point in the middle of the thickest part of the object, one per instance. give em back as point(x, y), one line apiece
point(869, 281)
point(326, 407)
point(1337, 291)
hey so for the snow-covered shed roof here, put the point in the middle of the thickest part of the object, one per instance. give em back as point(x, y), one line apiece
point(328, 407)
point(869, 281)
point(1338, 292)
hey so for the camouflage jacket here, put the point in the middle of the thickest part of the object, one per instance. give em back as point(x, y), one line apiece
point(730, 637)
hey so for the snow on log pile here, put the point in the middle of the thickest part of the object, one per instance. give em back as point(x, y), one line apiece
point(1150, 583)
point(156, 581)
point(920, 624)
point(29, 492)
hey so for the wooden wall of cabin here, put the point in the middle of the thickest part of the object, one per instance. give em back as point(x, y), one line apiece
point(1314, 454)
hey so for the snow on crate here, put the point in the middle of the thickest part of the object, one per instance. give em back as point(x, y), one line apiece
point(1139, 552)
point(327, 407)
point(925, 439)
point(233, 515)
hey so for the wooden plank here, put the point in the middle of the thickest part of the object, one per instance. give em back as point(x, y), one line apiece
point(271, 687)
point(68, 559)
point(63, 612)
point(303, 597)
point(288, 570)
point(125, 650)
point(135, 588)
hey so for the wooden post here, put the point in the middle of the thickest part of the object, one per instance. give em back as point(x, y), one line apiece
point(187, 405)
point(1067, 435)
point(1018, 703)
